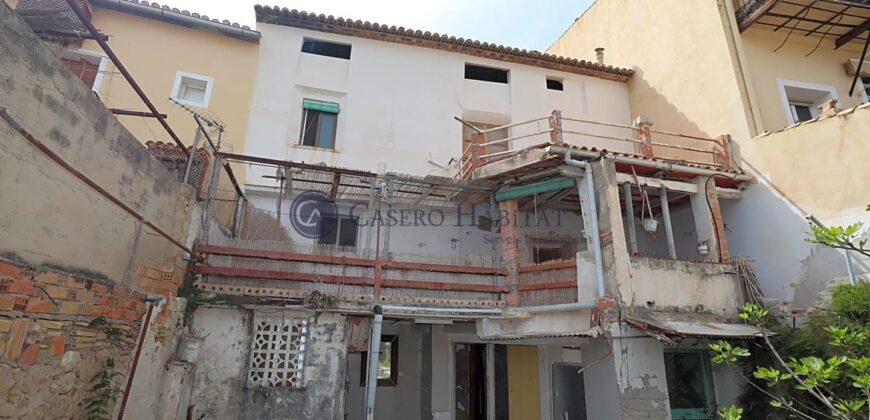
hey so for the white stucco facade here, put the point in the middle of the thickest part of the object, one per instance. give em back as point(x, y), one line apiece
point(398, 103)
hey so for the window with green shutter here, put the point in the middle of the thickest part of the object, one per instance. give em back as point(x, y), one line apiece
point(319, 124)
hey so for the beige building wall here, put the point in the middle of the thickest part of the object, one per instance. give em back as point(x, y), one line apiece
point(689, 87)
point(767, 65)
point(154, 52)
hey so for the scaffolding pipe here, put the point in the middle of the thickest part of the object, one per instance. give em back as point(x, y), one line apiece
point(593, 219)
point(374, 357)
point(665, 166)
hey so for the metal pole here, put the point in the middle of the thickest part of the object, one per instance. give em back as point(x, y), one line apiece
point(192, 155)
point(629, 214)
point(374, 357)
point(666, 215)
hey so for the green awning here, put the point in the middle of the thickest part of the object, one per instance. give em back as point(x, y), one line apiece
point(320, 106)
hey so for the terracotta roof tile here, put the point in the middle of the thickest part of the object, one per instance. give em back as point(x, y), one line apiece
point(374, 30)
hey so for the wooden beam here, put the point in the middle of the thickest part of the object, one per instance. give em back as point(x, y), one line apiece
point(656, 183)
point(284, 256)
point(333, 192)
point(729, 193)
point(848, 36)
point(444, 268)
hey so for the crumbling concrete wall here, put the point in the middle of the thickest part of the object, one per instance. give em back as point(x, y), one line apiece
point(220, 388)
point(703, 287)
point(72, 276)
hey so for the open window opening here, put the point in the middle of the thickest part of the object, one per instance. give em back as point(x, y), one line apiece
point(646, 230)
point(388, 362)
point(319, 124)
point(801, 100)
point(340, 231)
point(485, 74)
point(555, 84)
point(326, 48)
point(86, 66)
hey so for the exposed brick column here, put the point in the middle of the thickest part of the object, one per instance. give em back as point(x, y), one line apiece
point(722, 152)
point(556, 126)
point(510, 248)
point(642, 133)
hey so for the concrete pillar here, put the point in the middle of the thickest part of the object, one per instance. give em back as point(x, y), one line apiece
point(614, 247)
point(510, 248)
point(666, 218)
point(642, 133)
point(641, 380)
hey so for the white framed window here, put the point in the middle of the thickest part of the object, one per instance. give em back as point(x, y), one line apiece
point(192, 89)
point(89, 66)
point(278, 351)
point(801, 100)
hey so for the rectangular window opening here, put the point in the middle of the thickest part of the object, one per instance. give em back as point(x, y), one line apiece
point(486, 74)
point(326, 48)
point(319, 124)
point(388, 362)
point(191, 89)
point(340, 231)
point(802, 111)
point(554, 84)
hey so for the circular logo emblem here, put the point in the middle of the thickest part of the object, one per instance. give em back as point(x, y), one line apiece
point(313, 214)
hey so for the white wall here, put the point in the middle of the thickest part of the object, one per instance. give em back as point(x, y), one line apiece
point(398, 102)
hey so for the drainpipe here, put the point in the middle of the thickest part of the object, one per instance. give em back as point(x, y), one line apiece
point(374, 356)
point(593, 220)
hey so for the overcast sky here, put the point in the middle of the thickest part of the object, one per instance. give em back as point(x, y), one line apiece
point(516, 23)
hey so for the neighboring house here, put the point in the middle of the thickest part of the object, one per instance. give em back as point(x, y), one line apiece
point(205, 64)
point(489, 199)
point(754, 69)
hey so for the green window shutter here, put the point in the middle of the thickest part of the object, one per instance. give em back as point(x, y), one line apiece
point(320, 106)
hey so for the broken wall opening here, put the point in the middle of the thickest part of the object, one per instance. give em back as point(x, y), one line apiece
point(651, 218)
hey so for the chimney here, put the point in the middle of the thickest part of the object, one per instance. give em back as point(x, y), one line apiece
point(599, 55)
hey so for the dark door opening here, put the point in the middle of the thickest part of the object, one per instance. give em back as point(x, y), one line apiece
point(470, 369)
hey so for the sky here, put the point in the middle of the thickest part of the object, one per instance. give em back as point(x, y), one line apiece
point(525, 24)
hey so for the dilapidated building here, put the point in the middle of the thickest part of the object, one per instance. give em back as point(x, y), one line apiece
point(428, 227)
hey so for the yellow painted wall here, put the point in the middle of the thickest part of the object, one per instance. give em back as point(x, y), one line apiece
point(524, 401)
point(826, 168)
point(679, 50)
point(824, 67)
point(153, 52)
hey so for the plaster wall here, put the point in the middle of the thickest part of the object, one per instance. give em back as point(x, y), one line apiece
point(220, 383)
point(153, 52)
point(681, 56)
point(823, 67)
point(640, 374)
point(383, 118)
point(713, 286)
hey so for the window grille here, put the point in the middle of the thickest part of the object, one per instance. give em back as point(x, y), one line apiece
point(278, 352)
